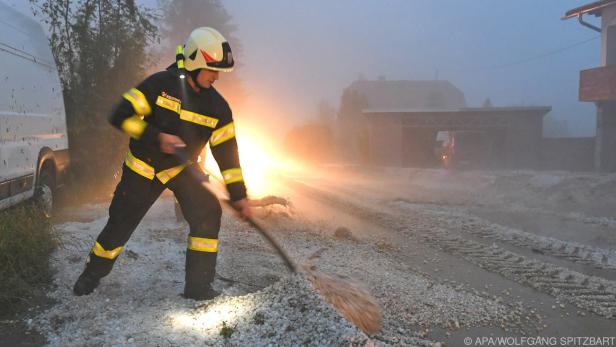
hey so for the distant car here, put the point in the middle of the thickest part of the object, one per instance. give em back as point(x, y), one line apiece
point(462, 149)
point(444, 147)
point(33, 139)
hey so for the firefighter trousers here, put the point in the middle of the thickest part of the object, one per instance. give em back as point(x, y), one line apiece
point(133, 197)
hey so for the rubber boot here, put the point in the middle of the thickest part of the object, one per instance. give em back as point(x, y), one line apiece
point(96, 268)
point(200, 270)
point(205, 292)
point(86, 283)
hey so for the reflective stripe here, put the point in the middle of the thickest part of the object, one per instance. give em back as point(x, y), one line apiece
point(202, 244)
point(223, 134)
point(168, 104)
point(139, 102)
point(139, 166)
point(198, 118)
point(147, 171)
point(103, 253)
point(134, 126)
point(232, 175)
point(165, 175)
point(180, 64)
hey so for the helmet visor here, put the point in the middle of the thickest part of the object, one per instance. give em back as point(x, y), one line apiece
point(227, 61)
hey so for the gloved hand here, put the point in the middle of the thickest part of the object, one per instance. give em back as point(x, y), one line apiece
point(169, 143)
point(243, 208)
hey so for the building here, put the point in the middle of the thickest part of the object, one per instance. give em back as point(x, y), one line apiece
point(598, 85)
point(395, 123)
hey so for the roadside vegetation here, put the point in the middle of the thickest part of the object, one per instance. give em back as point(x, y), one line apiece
point(102, 49)
point(26, 241)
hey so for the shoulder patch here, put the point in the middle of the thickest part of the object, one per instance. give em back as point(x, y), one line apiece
point(166, 95)
point(169, 104)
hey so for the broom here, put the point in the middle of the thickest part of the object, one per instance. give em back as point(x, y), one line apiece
point(354, 303)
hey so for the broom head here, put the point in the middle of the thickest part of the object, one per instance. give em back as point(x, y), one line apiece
point(354, 303)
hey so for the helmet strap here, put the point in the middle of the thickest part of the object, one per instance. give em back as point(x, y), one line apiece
point(193, 75)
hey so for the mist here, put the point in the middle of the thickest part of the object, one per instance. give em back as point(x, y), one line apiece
point(296, 54)
point(434, 153)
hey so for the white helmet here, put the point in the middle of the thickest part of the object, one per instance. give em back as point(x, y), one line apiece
point(206, 48)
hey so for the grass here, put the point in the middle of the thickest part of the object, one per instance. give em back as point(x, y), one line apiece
point(26, 241)
point(226, 331)
point(259, 318)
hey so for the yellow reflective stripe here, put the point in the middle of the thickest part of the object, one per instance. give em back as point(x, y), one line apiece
point(134, 126)
point(103, 253)
point(147, 171)
point(181, 64)
point(165, 175)
point(168, 104)
point(198, 118)
point(139, 166)
point(232, 175)
point(202, 244)
point(139, 102)
point(223, 134)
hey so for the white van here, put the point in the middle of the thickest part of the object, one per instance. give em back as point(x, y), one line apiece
point(33, 139)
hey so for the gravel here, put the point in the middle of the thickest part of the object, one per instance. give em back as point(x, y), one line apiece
point(139, 303)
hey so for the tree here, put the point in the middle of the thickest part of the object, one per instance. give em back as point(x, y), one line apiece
point(180, 17)
point(487, 103)
point(314, 141)
point(351, 127)
point(100, 49)
point(555, 127)
point(311, 142)
point(326, 113)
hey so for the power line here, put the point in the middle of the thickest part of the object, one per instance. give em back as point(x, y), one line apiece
point(529, 59)
point(547, 54)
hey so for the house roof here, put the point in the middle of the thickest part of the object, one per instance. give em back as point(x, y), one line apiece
point(385, 94)
point(592, 8)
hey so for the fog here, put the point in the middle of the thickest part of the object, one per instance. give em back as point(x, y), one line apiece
point(514, 52)
point(461, 232)
point(517, 53)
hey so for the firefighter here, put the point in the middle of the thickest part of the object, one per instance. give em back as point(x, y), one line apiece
point(174, 108)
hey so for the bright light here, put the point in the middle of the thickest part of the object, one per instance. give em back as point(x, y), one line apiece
point(261, 162)
point(211, 316)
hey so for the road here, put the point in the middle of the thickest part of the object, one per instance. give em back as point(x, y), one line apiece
point(448, 255)
point(560, 275)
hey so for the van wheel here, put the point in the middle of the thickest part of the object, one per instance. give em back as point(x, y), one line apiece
point(44, 194)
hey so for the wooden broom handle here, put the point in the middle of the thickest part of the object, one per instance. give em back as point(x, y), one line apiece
point(268, 236)
point(181, 155)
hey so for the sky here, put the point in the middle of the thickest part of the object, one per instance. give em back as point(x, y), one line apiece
point(302, 52)
point(517, 53)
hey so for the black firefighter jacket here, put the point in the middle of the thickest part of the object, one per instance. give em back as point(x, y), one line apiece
point(165, 103)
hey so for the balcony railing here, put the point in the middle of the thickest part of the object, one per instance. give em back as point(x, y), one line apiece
point(598, 84)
